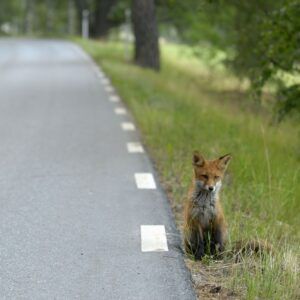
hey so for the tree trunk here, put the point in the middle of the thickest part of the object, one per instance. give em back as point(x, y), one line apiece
point(50, 16)
point(146, 34)
point(71, 17)
point(102, 24)
point(28, 20)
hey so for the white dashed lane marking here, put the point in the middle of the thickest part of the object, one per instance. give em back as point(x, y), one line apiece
point(114, 98)
point(145, 181)
point(153, 238)
point(105, 81)
point(100, 74)
point(135, 147)
point(127, 126)
point(120, 111)
point(109, 88)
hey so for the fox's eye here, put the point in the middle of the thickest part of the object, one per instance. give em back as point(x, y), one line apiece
point(217, 177)
point(204, 176)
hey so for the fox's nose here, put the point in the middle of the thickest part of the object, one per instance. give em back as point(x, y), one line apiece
point(211, 188)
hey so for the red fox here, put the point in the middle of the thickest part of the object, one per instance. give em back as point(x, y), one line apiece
point(205, 229)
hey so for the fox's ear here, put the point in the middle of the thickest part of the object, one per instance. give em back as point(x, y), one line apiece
point(198, 159)
point(224, 161)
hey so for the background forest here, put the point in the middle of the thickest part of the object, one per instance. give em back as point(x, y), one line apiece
point(258, 40)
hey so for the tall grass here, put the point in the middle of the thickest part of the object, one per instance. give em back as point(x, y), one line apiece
point(193, 104)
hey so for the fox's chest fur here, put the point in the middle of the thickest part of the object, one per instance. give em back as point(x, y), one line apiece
point(204, 207)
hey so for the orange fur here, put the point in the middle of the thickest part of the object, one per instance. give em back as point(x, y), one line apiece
point(204, 222)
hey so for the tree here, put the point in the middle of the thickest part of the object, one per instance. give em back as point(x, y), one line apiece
point(80, 6)
point(280, 46)
point(261, 39)
point(12, 13)
point(146, 34)
point(29, 16)
point(49, 16)
point(102, 23)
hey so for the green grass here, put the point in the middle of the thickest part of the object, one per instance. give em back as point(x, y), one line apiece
point(197, 104)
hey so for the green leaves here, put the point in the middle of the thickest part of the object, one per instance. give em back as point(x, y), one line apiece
point(268, 48)
point(261, 38)
point(289, 100)
point(280, 42)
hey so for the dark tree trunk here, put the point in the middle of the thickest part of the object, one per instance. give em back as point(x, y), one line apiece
point(102, 24)
point(146, 34)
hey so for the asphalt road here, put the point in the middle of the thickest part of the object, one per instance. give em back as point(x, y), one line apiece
point(71, 212)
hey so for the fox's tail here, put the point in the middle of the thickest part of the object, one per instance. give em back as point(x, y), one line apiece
point(251, 247)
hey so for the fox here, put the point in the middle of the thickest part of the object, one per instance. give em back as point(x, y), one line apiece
point(205, 227)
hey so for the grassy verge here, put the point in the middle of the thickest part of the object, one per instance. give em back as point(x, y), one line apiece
point(191, 105)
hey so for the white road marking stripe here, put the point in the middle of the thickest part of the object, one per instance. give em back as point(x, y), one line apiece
point(127, 126)
point(105, 80)
point(100, 74)
point(97, 69)
point(153, 238)
point(135, 147)
point(145, 181)
point(120, 111)
point(109, 88)
point(114, 98)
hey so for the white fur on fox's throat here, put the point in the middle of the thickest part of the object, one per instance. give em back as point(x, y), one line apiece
point(205, 201)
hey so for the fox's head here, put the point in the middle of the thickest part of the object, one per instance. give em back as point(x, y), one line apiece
point(209, 173)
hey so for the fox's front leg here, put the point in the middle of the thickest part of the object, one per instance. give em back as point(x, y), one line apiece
point(219, 236)
point(201, 246)
point(194, 243)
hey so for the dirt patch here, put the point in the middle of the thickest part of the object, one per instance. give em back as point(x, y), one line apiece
point(208, 280)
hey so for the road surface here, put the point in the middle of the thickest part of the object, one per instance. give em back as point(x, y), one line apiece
point(74, 200)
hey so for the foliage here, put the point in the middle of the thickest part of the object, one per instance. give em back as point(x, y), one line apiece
point(199, 22)
point(44, 16)
point(10, 11)
point(261, 39)
point(50, 17)
point(280, 43)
